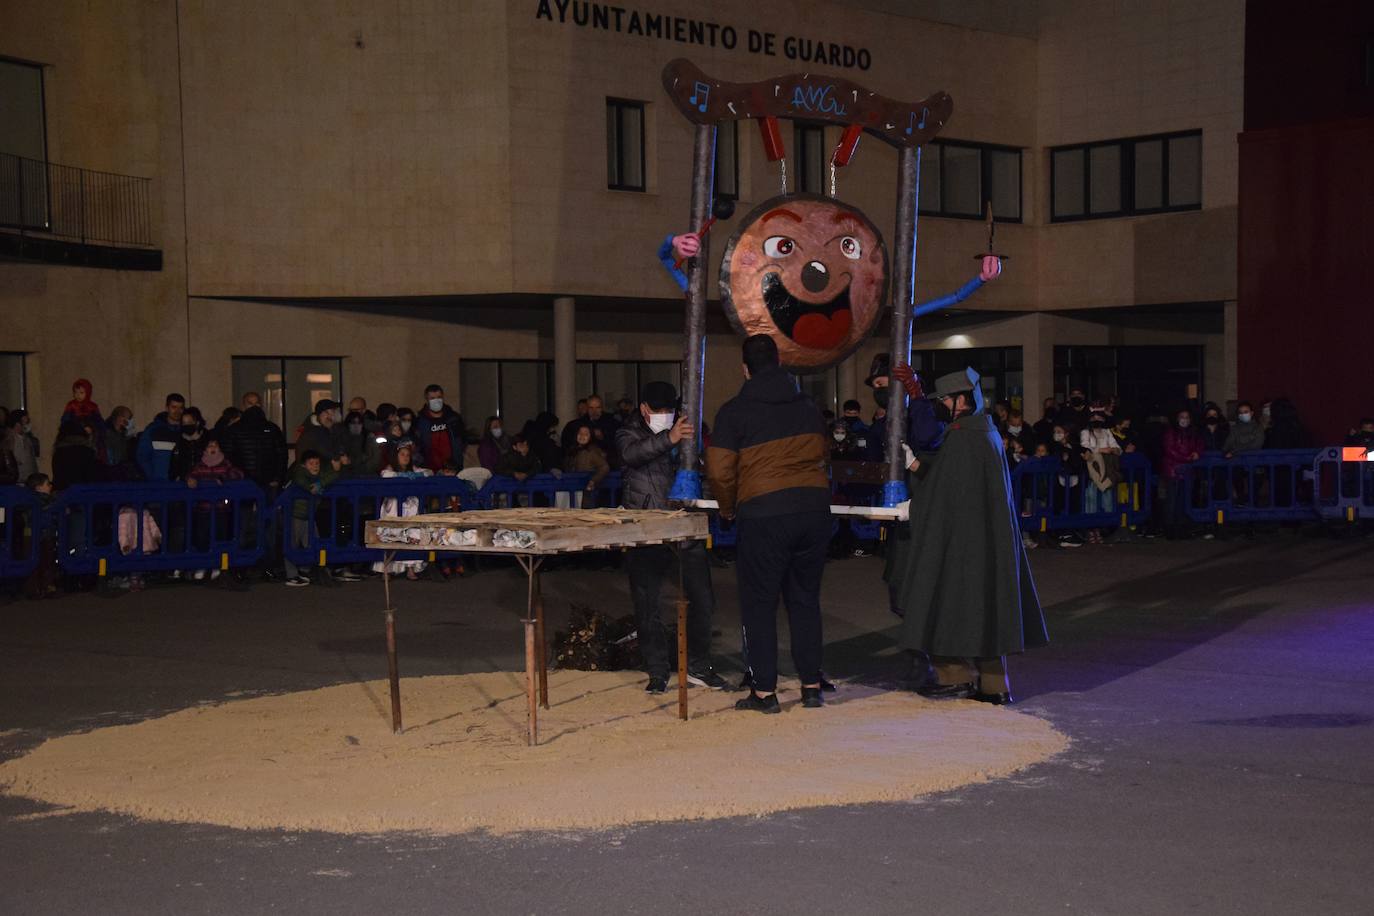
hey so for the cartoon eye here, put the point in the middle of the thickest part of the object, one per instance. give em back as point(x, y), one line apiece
point(778, 246)
point(850, 248)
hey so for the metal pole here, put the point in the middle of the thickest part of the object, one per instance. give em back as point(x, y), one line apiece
point(694, 346)
point(531, 678)
point(681, 637)
point(393, 669)
point(542, 647)
point(904, 276)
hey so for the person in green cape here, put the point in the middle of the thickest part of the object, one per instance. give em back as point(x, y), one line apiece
point(960, 578)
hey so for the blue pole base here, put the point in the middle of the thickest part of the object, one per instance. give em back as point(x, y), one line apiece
point(686, 485)
point(894, 493)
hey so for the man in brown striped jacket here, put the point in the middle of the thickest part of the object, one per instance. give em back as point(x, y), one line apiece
point(768, 468)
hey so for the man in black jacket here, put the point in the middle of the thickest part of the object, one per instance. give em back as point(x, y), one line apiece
point(648, 451)
point(256, 446)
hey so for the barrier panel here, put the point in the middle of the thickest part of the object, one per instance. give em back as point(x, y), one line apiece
point(21, 524)
point(145, 527)
point(535, 490)
point(327, 528)
point(1052, 498)
point(1269, 485)
point(1343, 483)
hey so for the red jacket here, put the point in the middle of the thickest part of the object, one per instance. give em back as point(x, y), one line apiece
point(1179, 446)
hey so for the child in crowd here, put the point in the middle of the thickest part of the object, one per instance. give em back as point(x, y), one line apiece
point(313, 474)
point(402, 465)
point(42, 582)
point(213, 468)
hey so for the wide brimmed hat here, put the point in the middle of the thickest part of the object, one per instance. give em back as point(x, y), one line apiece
point(881, 366)
point(953, 383)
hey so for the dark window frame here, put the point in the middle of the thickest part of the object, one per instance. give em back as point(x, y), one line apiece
point(799, 129)
point(46, 224)
point(984, 179)
point(281, 360)
point(23, 379)
point(549, 394)
point(619, 106)
point(1063, 368)
point(1127, 146)
point(715, 166)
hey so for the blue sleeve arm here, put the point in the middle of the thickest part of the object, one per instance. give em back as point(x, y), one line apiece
point(665, 254)
point(934, 305)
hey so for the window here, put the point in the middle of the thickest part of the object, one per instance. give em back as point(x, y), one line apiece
point(727, 160)
point(12, 379)
point(1154, 174)
point(809, 140)
point(1148, 380)
point(821, 387)
point(289, 385)
point(23, 146)
point(960, 179)
point(516, 390)
point(624, 145)
point(999, 367)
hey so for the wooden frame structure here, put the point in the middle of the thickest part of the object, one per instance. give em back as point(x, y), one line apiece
point(531, 536)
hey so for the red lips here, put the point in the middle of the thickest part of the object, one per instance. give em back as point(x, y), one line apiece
point(820, 332)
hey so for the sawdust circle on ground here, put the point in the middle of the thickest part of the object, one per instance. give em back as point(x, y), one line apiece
point(610, 755)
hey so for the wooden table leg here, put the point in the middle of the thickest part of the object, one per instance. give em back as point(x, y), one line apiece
point(393, 669)
point(681, 639)
point(540, 646)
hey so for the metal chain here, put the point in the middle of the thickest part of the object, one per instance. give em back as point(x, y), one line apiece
point(832, 179)
point(783, 164)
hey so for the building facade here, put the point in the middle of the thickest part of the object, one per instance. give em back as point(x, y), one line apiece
point(337, 196)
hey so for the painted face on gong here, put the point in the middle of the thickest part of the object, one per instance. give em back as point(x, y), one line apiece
point(808, 271)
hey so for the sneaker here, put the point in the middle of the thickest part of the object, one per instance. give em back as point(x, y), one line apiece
point(656, 684)
point(198, 575)
point(767, 705)
point(214, 574)
point(347, 575)
point(1029, 542)
point(296, 582)
point(707, 677)
point(175, 575)
point(811, 698)
point(858, 552)
point(1070, 540)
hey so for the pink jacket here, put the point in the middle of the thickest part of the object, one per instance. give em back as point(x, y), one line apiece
point(1179, 446)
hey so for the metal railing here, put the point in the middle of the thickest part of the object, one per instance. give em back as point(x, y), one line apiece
point(72, 203)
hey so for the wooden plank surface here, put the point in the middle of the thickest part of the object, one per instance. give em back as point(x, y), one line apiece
point(555, 530)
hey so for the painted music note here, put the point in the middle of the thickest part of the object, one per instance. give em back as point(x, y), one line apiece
point(700, 90)
point(917, 125)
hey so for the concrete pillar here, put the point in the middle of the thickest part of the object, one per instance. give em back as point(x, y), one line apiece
point(565, 357)
point(1037, 362)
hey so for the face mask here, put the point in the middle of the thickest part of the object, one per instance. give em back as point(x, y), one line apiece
point(496, 432)
point(880, 397)
point(436, 404)
point(1097, 424)
point(1265, 411)
point(1212, 420)
point(405, 426)
point(1184, 422)
point(660, 422)
point(188, 432)
point(28, 427)
point(355, 428)
point(1058, 437)
point(129, 430)
point(1014, 430)
point(1076, 402)
point(1244, 417)
point(839, 435)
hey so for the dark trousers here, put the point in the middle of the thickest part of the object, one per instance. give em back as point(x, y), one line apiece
point(648, 567)
point(782, 555)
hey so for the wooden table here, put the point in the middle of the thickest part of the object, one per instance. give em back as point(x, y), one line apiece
point(531, 536)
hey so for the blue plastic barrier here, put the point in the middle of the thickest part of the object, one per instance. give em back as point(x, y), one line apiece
point(1342, 489)
point(209, 526)
point(21, 524)
point(1050, 499)
point(336, 518)
point(536, 490)
point(1269, 485)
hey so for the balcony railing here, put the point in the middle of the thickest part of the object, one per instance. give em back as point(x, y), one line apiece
point(82, 205)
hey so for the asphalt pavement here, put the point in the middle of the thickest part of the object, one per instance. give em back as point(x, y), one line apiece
point(1217, 693)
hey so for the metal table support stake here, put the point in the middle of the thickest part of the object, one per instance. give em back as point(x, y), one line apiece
point(393, 671)
point(536, 650)
point(681, 637)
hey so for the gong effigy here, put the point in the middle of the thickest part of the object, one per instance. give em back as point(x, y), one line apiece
point(809, 271)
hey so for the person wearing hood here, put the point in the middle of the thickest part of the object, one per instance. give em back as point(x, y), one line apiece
point(159, 439)
point(1214, 428)
point(439, 431)
point(117, 448)
point(541, 434)
point(186, 454)
point(768, 466)
point(1247, 435)
point(74, 453)
point(964, 588)
point(493, 445)
point(1182, 446)
point(648, 448)
point(361, 446)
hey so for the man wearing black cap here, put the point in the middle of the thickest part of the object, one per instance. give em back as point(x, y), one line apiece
point(322, 432)
point(648, 452)
point(962, 583)
point(767, 466)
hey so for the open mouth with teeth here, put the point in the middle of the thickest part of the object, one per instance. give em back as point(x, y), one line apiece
point(816, 325)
